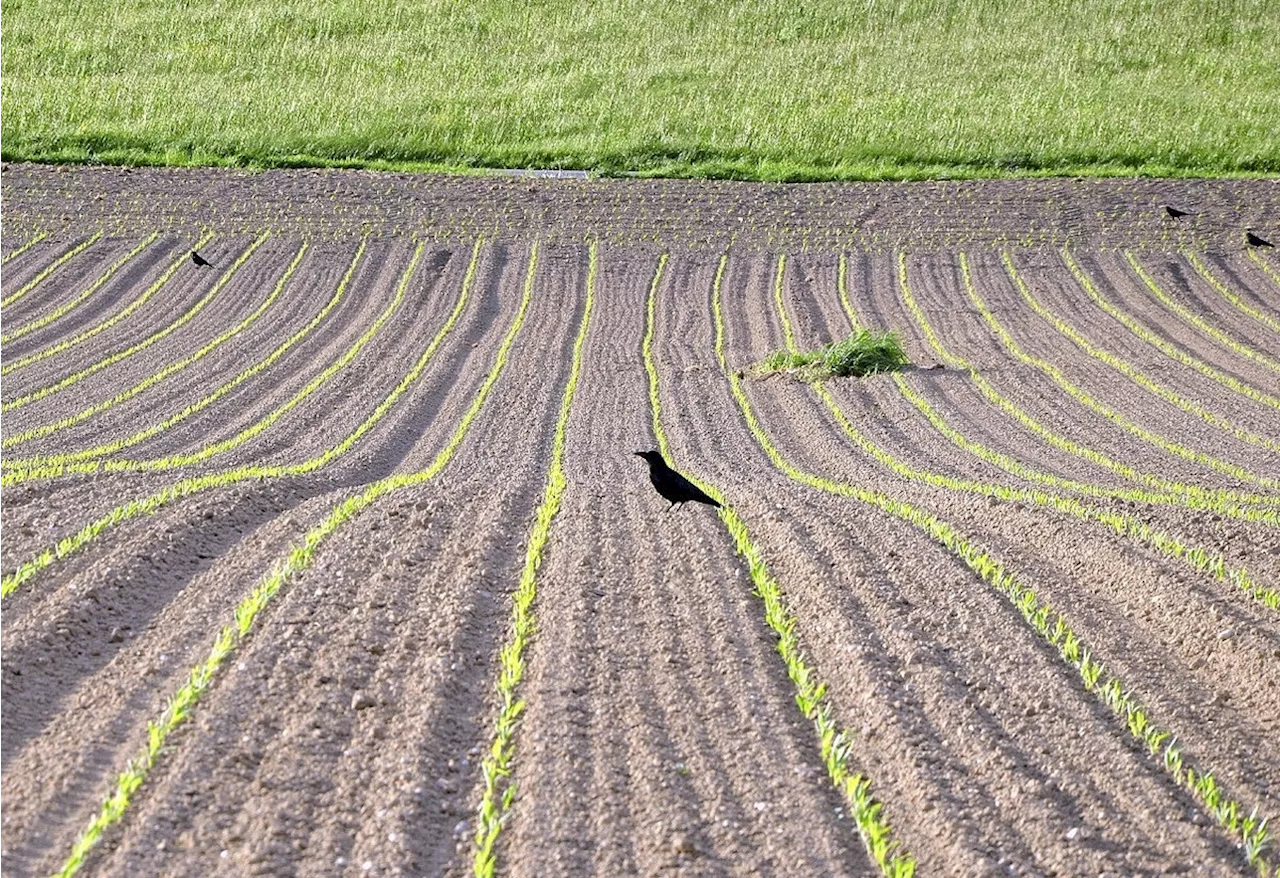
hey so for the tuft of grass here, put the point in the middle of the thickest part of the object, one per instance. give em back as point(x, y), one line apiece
point(862, 353)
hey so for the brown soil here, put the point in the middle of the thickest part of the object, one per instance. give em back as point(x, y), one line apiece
point(661, 732)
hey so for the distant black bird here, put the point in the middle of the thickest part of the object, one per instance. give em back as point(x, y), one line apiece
point(1174, 212)
point(670, 484)
point(1254, 241)
point(198, 259)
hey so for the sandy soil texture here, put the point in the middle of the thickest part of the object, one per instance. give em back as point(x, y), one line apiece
point(338, 443)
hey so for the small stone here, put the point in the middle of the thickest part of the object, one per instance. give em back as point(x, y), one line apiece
point(1226, 633)
point(117, 636)
point(1072, 833)
point(361, 700)
point(340, 861)
point(683, 844)
point(462, 829)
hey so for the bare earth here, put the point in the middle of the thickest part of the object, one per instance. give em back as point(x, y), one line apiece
point(661, 733)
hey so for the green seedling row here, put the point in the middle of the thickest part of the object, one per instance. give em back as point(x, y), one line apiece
point(88, 291)
point(171, 369)
point(1199, 558)
point(180, 705)
point(57, 263)
point(178, 460)
point(1048, 623)
point(186, 487)
point(836, 743)
point(1266, 267)
point(1220, 498)
point(1129, 370)
point(31, 242)
point(106, 324)
point(1081, 396)
point(1163, 346)
point(1197, 321)
point(146, 342)
point(499, 789)
point(54, 465)
point(1216, 282)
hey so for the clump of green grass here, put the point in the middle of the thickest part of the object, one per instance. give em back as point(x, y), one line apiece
point(862, 353)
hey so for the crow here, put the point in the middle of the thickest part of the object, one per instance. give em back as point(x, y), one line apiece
point(1253, 240)
point(199, 260)
point(1174, 212)
point(670, 484)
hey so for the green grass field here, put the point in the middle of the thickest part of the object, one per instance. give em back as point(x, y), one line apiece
point(767, 90)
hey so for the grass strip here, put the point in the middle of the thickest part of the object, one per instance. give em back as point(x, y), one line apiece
point(146, 342)
point(1215, 496)
point(171, 369)
point(88, 291)
point(1214, 281)
point(1199, 558)
point(180, 705)
point(1084, 398)
point(1163, 346)
point(836, 744)
point(1129, 370)
point(1051, 625)
point(1197, 321)
point(54, 465)
point(106, 324)
point(186, 487)
point(499, 790)
point(57, 263)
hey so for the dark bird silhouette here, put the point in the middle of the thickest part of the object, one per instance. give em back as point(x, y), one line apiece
point(1254, 241)
point(199, 260)
point(1174, 212)
point(670, 484)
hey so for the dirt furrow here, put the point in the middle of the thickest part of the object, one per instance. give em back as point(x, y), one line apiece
point(546, 321)
point(399, 622)
point(30, 285)
point(1176, 275)
point(654, 694)
point(1060, 292)
point(61, 285)
point(1123, 812)
point(1118, 283)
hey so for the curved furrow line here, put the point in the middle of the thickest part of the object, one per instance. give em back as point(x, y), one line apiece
point(811, 697)
point(1058, 290)
point(62, 260)
point(54, 465)
point(68, 306)
point(1164, 346)
point(195, 484)
point(499, 792)
point(1212, 279)
point(1051, 626)
point(165, 372)
point(1080, 395)
point(24, 247)
point(104, 325)
point(1223, 338)
point(1226, 498)
point(140, 346)
point(337, 368)
point(1266, 267)
point(236, 632)
point(1199, 558)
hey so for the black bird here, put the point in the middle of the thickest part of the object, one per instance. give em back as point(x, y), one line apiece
point(1255, 241)
point(1174, 212)
point(198, 259)
point(670, 484)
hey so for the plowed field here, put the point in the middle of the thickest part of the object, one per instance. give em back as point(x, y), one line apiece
point(333, 557)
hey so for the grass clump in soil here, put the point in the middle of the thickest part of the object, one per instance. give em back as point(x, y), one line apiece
point(863, 353)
